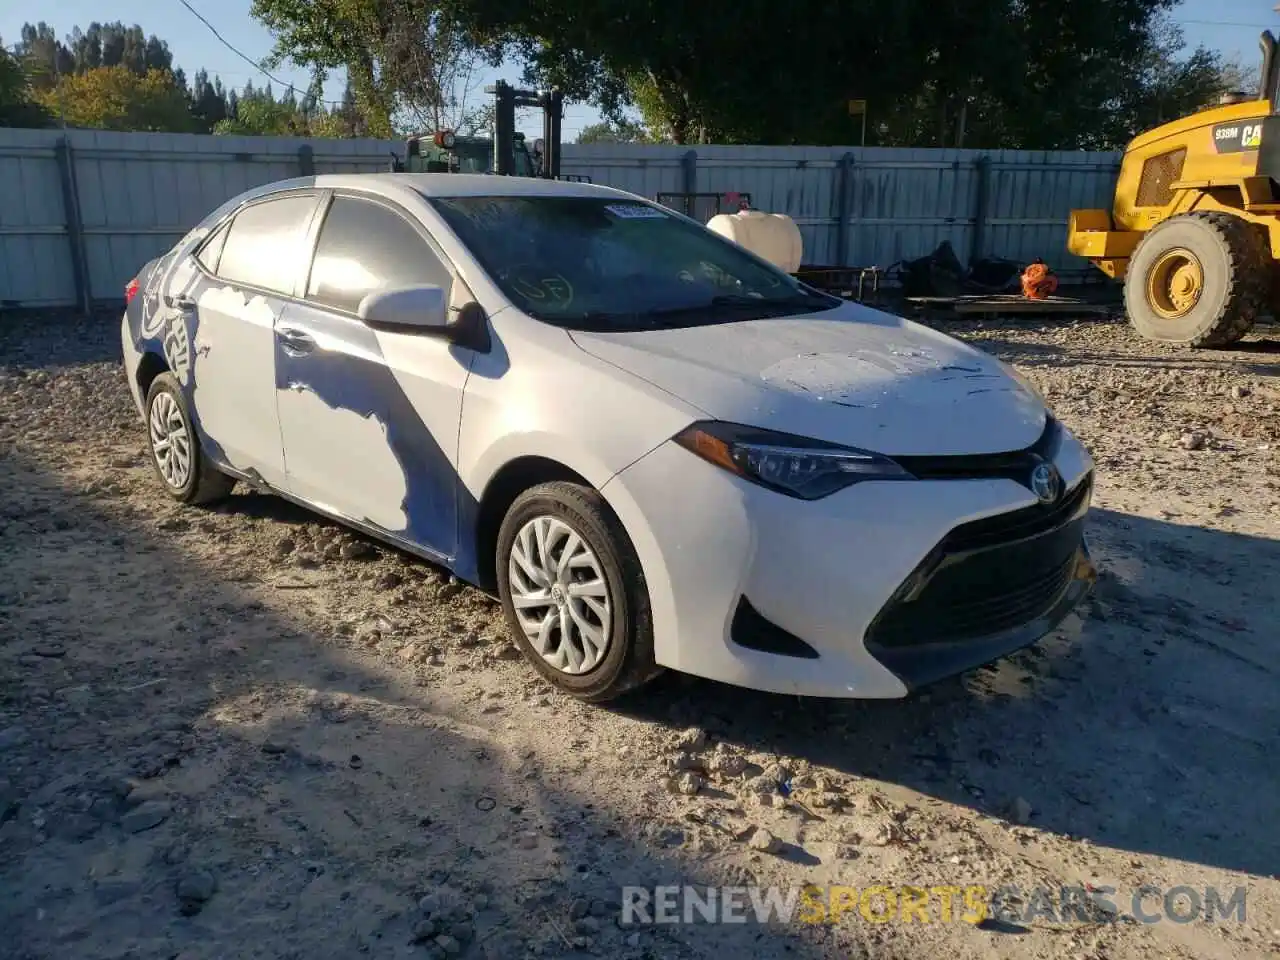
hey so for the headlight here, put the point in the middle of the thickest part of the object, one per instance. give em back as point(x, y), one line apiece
point(797, 466)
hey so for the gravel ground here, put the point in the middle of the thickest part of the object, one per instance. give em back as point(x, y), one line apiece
point(244, 732)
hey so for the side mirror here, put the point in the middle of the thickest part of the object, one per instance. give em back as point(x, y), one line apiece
point(424, 309)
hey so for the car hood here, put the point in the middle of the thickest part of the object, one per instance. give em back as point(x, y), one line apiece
point(852, 376)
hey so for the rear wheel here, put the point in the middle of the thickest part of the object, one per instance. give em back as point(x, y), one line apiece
point(183, 469)
point(1199, 279)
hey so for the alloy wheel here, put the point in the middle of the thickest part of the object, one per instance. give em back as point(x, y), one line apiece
point(170, 440)
point(560, 595)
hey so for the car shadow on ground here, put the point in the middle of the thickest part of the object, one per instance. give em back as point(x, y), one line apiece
point(304, 797)
point(1146, 724)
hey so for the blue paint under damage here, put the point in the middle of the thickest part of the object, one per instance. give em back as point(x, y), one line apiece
point(353, 376)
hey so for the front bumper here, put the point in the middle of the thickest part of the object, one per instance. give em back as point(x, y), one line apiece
point(918, 665)
point(1090, 235)
point(756, 589)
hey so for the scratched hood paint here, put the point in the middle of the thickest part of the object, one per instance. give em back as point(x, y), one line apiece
point(852, 376)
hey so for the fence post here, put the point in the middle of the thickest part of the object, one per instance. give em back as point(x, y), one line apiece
point(977, 240)
point(689, 164)
point(844, 186)
point(306, 161)
point(75, 228)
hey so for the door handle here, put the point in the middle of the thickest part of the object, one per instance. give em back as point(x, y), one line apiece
point(296, 343)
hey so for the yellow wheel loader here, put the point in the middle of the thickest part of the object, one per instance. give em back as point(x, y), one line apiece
point(1194, 231)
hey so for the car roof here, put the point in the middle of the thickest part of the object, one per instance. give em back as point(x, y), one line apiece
point(465, 185)
point(403, 187)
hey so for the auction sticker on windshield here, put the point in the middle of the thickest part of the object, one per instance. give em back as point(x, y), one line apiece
point(635, 211)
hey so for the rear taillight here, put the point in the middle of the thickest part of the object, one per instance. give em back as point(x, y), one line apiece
point(130, 291)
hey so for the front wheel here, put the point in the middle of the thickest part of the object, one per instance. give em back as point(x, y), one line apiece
point(1198, 279)
point(181, 465)
point(573, 592)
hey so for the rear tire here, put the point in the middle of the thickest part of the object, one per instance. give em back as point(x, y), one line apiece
point(587, 581)
point(1199, 279)
point(184, 471)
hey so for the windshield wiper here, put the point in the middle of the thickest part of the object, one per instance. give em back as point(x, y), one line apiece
point(648, 319)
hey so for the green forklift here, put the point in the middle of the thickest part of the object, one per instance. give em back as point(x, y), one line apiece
point(507, 153)
point(447, 152)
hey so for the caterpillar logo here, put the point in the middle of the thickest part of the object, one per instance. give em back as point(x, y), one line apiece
point(1237, 137)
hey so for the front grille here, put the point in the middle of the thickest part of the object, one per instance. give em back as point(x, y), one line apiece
point(1014, 465)
point(988, 576)
point(1158, 175)
point(1005, 528)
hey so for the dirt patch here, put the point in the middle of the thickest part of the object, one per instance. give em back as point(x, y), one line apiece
point(246, 732)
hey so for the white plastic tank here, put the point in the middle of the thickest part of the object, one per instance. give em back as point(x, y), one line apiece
point(770, 236)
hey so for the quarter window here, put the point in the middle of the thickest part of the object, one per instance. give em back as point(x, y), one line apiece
point(212, 250)
point(364, 247)
point(266, 245)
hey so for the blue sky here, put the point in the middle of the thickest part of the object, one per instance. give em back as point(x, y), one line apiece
point(1230, 26)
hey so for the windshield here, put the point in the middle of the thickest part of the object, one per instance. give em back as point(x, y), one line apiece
point(603, 264)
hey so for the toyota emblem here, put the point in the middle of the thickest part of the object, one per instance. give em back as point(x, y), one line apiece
point(1046, 482)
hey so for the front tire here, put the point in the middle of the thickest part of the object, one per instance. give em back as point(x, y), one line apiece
point(573, 592)
point(1199, 279)
point(184, 471)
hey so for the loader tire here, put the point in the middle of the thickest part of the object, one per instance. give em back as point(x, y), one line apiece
point(1229, 257)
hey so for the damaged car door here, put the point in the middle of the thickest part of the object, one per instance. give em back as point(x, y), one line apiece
point(369, 417)
point(256, 261)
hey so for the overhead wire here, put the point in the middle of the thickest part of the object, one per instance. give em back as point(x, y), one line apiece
point(254, 63)
point(258, 66)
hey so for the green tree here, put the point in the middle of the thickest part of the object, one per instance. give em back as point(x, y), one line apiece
point(48, 60)
point(116, 98)
point(208, 101)
point(18, 107)
point(101, 45)
point(1122, 67)
point(406, 61)
point(259, 117)
point(347, 115)
point(1168, 83)
point(478, 122)
point(259, 113)
point(989, 73)
point(47, 57)
point(86, 47)
point(613, 131)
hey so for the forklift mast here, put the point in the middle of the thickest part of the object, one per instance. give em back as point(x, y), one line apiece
point(446, 152)
point(506, 99)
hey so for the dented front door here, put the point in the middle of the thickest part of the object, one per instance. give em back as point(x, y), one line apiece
point(370, 418)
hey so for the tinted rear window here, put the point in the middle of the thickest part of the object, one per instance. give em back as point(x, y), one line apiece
point(266, 246)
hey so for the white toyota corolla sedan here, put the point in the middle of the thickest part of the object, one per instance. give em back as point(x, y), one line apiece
point(658, 449)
